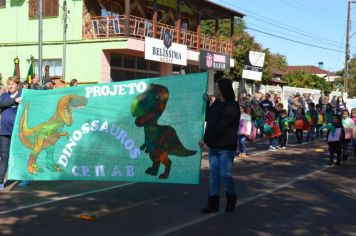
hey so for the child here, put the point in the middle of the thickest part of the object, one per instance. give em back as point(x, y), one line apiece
point(272, 130)
point(300, 122)
point(353, 117)
point(312, 117)
point(335, 136)
point(284, 123)
point(260, 119)
point(349, 127)
point(244, 131)
point(320, 121)
point(329, 112)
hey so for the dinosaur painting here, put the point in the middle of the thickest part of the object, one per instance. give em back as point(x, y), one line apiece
point(45, 135)
point(160, 140)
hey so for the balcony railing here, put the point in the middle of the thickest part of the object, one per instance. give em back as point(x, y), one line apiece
point(114, 27)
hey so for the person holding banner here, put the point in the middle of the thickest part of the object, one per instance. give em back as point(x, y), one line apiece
point(8, 104)
point(221, 138)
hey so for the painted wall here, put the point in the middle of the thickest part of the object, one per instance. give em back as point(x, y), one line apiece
point(84, 59)
point(20, 29)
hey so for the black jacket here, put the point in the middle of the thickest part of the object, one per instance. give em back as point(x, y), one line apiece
point(222, 125)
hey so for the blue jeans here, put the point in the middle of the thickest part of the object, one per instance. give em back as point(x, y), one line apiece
point(311, 133)
point(220, 162)
point(242, 144)
point(4, 154)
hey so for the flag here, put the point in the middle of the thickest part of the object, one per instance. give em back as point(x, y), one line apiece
point(31, 70)
point(17, 67)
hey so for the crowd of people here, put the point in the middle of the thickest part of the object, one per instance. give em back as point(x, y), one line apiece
point(231, 124)
point(10, 98)
point(265, 115)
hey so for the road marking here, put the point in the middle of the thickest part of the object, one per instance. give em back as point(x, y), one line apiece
point(57, 199)
point(111, 211)
point(240, 203)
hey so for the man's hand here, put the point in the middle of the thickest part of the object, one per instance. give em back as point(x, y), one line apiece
point(18, 100)
point(202, 144)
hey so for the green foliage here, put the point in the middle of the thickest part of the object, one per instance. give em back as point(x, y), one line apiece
point(242, 44)
point(302, 79)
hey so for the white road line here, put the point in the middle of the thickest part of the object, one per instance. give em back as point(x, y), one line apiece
point(57, 199)
point(240, 203)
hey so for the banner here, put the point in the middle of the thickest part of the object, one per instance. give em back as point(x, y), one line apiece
point(140, 130)
point(213, 60)
point(253, 66)
point(165, 50)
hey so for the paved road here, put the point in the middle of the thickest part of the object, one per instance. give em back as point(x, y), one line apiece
point(289, 192)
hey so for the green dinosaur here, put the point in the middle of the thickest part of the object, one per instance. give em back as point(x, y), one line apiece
point(45, 135)
point(160, 140)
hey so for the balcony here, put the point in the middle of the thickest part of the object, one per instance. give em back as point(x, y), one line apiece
point(139, 28)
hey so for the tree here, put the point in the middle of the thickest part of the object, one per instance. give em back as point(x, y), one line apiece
point(302, 79)
point(242, 44)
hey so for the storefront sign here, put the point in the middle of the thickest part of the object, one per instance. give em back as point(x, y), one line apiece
point(215, 61)
point(140, 130)
point(253, 66)
point(165, 50)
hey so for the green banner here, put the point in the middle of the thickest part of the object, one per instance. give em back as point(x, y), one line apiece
point(140, 130)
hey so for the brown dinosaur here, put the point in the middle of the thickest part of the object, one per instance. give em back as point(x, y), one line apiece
point(45, 135)
point(160, 140)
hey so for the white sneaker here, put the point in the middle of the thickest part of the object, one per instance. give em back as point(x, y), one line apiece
point(284, 148)
point(272, 149)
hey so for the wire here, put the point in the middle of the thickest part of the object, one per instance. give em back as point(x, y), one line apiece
point(308, 11)
point(279, 24)
point(292, 40)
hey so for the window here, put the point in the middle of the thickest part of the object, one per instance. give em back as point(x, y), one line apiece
point(50, 8)
point(2, 3)
point(55, 66)
point(126, 67)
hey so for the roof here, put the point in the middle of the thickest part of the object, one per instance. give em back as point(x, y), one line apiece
point(277, 81)
point(310, 69)
point(211, 10)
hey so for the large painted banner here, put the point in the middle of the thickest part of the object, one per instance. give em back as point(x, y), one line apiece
point(141, 130)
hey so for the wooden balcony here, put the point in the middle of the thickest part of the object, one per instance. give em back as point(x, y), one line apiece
point(139, 28)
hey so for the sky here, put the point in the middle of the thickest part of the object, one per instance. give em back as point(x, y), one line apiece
point(321, 23)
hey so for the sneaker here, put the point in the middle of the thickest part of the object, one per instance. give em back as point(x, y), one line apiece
point(2, 186)
point(24, 183)
point(272, 149)
point(284, 148)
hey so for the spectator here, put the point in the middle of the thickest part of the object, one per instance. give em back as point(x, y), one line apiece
point(48, 84)
point(35, 83)
point(8, 105)
point(73, 82)
point(58, 82)
point(340, 106)
point(267, 103)
point(221, 138)
point(24, 84)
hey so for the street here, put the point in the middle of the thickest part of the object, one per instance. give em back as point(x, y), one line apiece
point(287, 192)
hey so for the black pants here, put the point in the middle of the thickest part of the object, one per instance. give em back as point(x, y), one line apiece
point(283, 139)
point(335, 148)
point(299, 134)
point(345, 154)
point(4, 153)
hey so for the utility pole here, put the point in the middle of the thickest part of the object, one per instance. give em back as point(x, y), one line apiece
point(65, 26)
point(40, 20)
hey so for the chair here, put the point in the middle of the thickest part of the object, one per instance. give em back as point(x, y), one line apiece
point(96, 28)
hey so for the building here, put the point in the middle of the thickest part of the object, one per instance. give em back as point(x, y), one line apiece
point(314, 70)
point(106, 38)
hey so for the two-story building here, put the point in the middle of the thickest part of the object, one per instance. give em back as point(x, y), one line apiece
point(112, 40)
